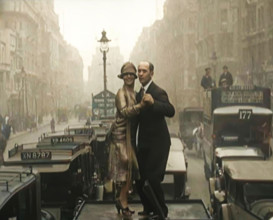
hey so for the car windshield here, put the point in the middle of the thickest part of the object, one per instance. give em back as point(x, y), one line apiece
point(229, 129)
point(258, 198)
point(258, 191)
point(193, 117)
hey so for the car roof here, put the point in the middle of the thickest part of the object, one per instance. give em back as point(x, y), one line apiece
point(199, 109)
point(256, 171)
point(12, 180)
point(176, 144)
point(235, 110)
point(238, 151)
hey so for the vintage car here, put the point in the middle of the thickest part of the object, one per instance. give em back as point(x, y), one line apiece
point(16, 184)
point(243, 190)
point(189, 119)
point(20, 194)
point(174, 183)
point(65, 167)
point(62, 115)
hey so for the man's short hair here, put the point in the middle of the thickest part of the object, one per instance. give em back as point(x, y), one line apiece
point(208, 68)
point(151, 66)
point(225, 67)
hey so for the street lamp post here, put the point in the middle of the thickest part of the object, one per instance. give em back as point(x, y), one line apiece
point(104, 48)
point(214, 62)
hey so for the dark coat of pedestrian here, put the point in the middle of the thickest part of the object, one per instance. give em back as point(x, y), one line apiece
point(52, 125)
point(153, 138)
point(207, 82)
point(227, 76)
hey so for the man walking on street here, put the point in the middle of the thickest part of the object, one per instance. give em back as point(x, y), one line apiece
point(153, 138)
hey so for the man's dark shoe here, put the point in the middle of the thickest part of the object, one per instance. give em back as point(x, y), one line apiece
point(154, 217)
point(144, 213)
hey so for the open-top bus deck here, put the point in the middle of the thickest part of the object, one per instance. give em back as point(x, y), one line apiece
point(179, 210)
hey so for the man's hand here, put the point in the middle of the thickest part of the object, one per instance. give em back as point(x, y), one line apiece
point(148, 99)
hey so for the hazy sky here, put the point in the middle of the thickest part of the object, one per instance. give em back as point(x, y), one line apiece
point(82, 21)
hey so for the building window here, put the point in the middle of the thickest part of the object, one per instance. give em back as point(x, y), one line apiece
point(270, 9)
point(252, 18)
point(224, 20)
point(261, 17)
point(2, 52)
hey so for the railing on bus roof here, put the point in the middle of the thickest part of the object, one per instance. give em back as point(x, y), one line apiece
point(18, 148)
point(13, 176)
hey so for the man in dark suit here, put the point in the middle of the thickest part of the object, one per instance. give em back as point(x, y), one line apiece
point(207, 82)
point(153, 138)
point(225, 77)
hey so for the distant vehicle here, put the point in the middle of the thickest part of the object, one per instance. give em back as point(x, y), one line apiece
point(237, 125)
point(20, 195)
point(189, 119)
point(62, 115)
point(86, 132)
point(65, 167)
point(175, 179)
point(243, 190)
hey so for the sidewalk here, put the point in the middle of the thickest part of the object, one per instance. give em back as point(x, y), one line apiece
point(46, 122)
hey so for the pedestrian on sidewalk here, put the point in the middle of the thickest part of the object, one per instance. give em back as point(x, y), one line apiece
point(3, 144)
point(6, 128)
point(52, 125)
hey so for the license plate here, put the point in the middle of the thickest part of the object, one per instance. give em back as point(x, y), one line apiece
point(36, 155)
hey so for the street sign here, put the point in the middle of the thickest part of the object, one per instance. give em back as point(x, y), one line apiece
point(102, 103)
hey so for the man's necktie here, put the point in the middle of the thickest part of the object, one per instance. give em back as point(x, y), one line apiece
point(142, 90)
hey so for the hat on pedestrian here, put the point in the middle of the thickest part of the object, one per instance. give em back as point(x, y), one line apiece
point(127, 67)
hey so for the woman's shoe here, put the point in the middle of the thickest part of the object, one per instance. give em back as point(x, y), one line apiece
point(124, 211)
point(129, 210)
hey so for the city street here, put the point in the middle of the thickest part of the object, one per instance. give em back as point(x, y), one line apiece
point(196, 179)
point(32, 136)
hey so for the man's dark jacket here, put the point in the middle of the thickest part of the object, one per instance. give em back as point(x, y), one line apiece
point(228, 78)
point(206, 82)
point(154, 142)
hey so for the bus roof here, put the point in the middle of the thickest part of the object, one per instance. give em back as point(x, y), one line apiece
point(197, 109)
point(13, 179)
point(232, 110)
point(62, 153)
point(257, 171)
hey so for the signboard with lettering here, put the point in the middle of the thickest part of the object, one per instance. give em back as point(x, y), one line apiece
point(36, 155)
point(236, 95)
point(62, 140)
point(246, 97)
point(102, 103)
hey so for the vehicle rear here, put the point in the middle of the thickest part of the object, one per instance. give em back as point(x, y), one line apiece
point(189, 119)
point(243, 190)
point(65, 168)
point(19, 194)
point(237, 125)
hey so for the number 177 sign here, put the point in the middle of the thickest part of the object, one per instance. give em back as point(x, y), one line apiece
point(245, 114)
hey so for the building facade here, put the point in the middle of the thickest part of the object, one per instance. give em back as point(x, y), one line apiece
point(34, 59)
point(170, 45)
